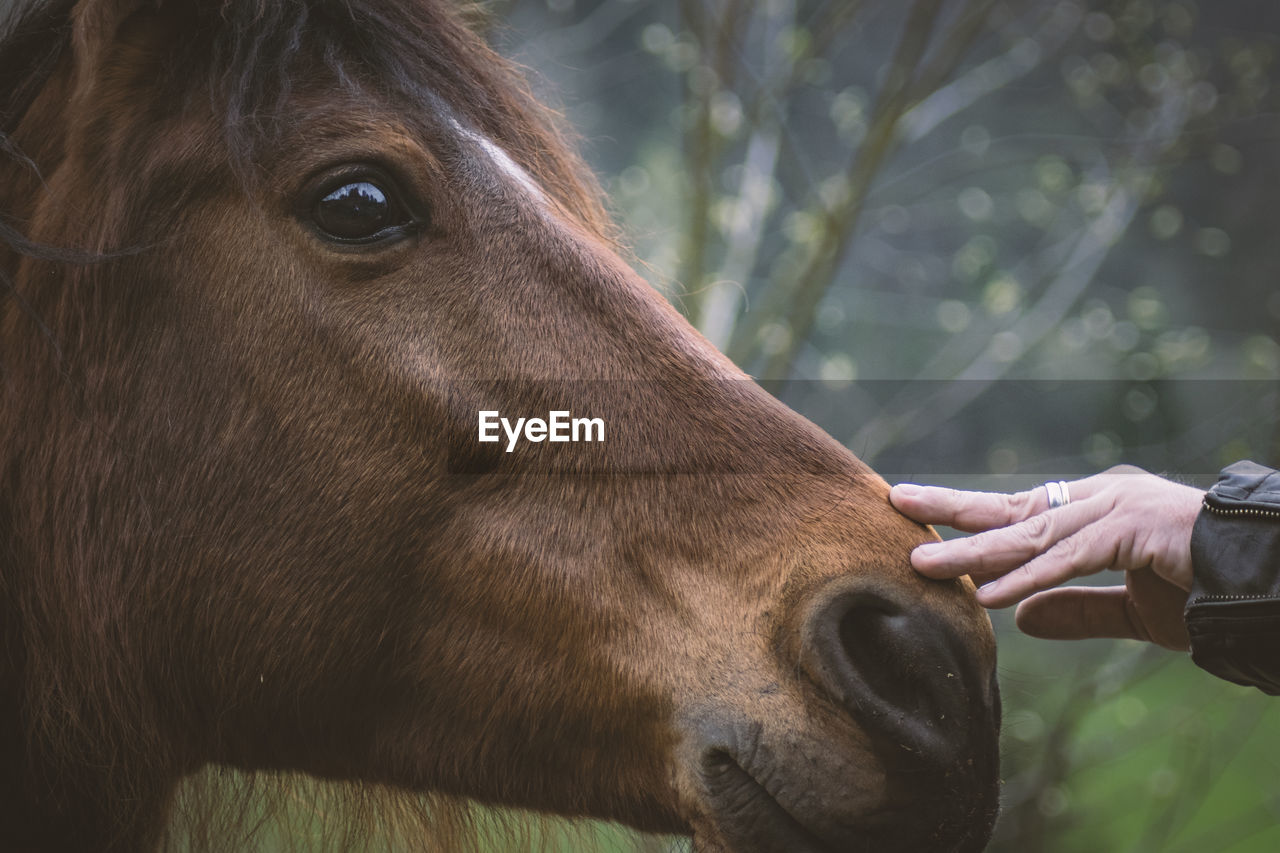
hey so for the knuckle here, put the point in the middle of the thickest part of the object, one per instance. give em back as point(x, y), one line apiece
point(975, 551)
point(1020, 581)
point(1037, 530)
point(1025, 574)
point(1021, 505)
point(1066, 550)
point(953, 500)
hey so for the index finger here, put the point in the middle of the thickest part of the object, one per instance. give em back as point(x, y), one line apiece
point(971, 512)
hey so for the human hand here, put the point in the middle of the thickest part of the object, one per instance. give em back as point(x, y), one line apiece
point(1123, 519)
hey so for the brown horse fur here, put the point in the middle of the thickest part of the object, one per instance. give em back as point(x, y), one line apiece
point(244, 522)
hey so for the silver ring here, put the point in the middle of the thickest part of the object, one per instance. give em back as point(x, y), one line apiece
point(1058, 493)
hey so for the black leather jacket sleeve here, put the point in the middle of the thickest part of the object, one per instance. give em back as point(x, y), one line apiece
point(1233, 612)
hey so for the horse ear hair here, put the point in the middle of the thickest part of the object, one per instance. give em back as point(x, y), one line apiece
point(95, 28)
point(99, 18)
point(35, 36)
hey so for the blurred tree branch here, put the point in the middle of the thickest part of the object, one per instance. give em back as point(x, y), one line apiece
point(799, 303)
point(908, 80)
point(911, 415)
point(717, 25)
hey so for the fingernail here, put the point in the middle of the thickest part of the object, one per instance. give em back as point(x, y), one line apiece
point(906, 490)
point(929, 549)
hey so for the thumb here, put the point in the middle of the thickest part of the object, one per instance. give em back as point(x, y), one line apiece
point(1080, 613)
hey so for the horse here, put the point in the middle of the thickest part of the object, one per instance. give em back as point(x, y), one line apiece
point(265, 263)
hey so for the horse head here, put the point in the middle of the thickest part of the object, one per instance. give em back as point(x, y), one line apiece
point(266, 262)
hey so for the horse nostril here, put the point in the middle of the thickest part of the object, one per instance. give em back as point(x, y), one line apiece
point(879, 651)
point(900, 672)
point(920, 690)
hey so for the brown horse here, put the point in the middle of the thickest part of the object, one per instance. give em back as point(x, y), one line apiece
point(264, 263)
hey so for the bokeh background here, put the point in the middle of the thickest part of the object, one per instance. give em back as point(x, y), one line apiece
point(985, 243)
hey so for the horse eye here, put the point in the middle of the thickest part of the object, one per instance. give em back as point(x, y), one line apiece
point(359, 211)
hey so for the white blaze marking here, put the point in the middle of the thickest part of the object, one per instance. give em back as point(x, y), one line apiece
point(505, 164)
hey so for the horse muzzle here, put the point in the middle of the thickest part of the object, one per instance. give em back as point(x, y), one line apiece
point(897, 753)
